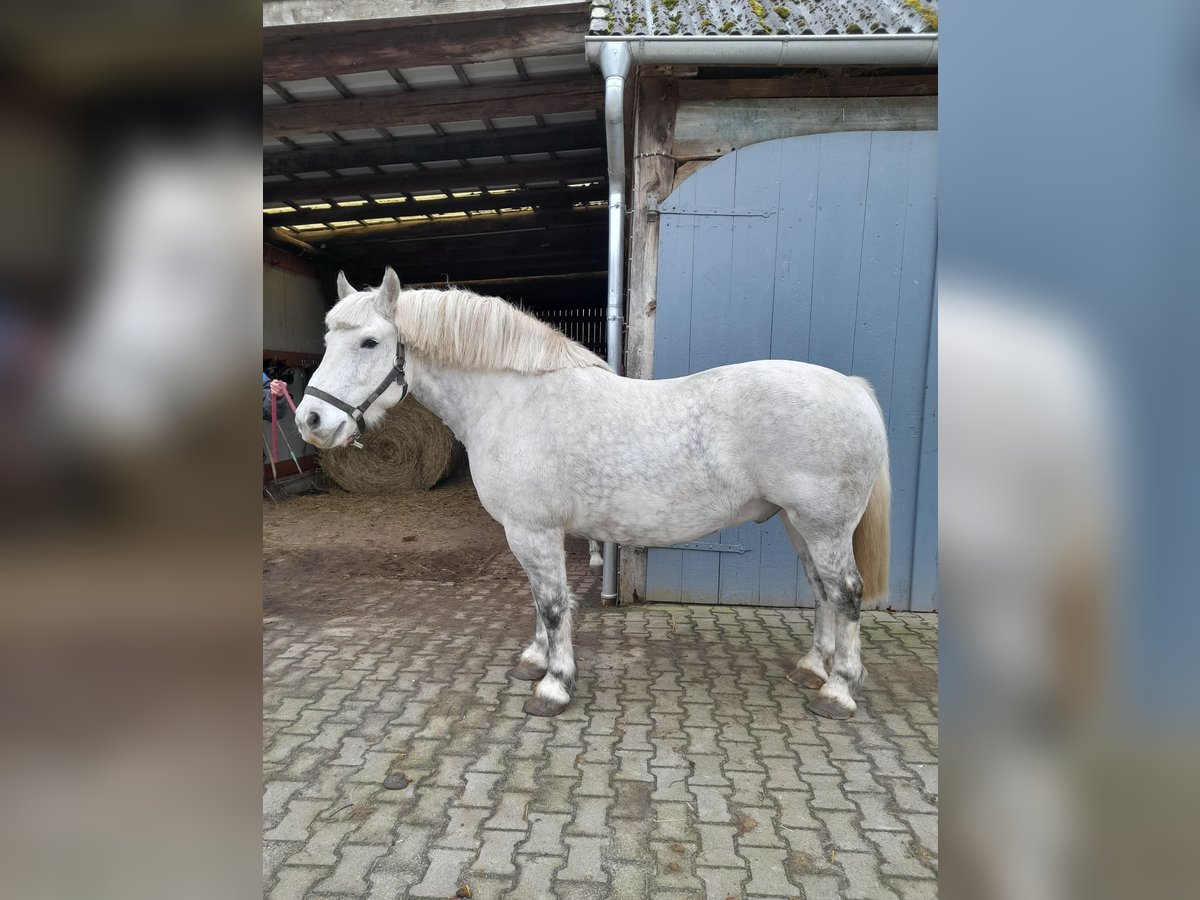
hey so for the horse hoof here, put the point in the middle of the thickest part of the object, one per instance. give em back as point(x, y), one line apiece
point(524, 670)
point(806, 678)
point(540, 706)
point(832, 707)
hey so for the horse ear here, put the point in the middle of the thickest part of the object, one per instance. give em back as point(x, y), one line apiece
point(343, 286)
point(389, 291)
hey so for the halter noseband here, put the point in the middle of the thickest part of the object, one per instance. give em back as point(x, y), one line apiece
point(358, 413)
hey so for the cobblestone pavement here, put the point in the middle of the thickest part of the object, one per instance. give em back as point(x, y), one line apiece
point(685, 767)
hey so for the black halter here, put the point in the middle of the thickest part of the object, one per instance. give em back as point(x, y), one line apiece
point(358, 413)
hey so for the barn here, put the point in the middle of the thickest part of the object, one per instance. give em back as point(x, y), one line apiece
point(678, 185)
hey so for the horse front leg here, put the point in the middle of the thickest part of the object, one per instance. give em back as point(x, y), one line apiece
point(595, 557)
point(542, 555)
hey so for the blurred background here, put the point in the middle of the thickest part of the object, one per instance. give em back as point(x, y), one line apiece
point(130, 465)
point(1068, 494)
point(130, 469)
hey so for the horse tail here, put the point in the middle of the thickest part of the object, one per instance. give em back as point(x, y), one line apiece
point(872, 535)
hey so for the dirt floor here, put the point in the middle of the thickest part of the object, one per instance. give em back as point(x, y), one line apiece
point(330, 536)
point(443, 534)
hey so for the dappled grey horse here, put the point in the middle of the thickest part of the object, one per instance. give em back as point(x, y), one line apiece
point(560, 445)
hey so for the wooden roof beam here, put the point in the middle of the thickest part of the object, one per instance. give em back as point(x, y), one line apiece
point(395, 232)
point(434, 147)
point(456, 104)
point(293, 52)
point(542, 198)
point(463, 178)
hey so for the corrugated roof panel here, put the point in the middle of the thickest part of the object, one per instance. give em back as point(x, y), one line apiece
point(514, 122)
point(362, 83)
point(587, 115)
point(567, 64)
point(495, 72)
point(403, 131)
point(311, 89)
point(462, 127)
point(313, 140)
point(359, 134)
point(430, 77)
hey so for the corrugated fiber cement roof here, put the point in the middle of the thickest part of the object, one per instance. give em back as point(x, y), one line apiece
point(738, 18)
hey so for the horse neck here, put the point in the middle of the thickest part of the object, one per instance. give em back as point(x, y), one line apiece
point(460, 398)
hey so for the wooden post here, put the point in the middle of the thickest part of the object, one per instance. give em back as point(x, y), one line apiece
point(653, 173)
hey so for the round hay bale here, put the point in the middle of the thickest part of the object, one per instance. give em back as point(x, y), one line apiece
point(411, 449)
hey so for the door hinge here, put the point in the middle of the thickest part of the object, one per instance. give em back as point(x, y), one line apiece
point(714, 548)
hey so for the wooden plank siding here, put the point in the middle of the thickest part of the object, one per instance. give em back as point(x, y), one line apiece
point(706, 129)
point(819, 248)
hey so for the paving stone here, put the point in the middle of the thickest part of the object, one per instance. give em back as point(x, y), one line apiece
point(295, 823)
point(276, 794)
point(910, 889)
point(862, 874)
point(721, 884)
point(349, 876)
point(896, 848)
point(445, 874)
point(536, 876)
point(716, 846)
point(909, 797)
point(711, 805)
point(462, 828)
point(591, 817)
point(926, 829)
point(842, 828)
point(496, 856)
point(294, 882)
point(682, 728)
point(584, 860)
point(512, 812)
point(545, 835)
point(630, 879)
point(875, 816)
point(767, 875)
point(676, 867)
point(320, 849)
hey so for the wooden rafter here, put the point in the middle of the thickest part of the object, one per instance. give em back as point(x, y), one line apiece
point(542, 198)
point(395, 232)
point(458, 179)
point(295, 52)
point(558, 95)
point(424, 149)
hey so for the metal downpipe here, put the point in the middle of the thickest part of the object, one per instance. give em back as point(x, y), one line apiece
point(614, 62)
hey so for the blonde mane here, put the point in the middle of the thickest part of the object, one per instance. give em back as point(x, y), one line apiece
point(458, 328)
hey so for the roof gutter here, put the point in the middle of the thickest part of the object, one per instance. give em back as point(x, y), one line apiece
point(774, 50)
point(617, 55)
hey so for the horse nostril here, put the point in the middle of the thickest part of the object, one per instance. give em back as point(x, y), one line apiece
point(314, 420)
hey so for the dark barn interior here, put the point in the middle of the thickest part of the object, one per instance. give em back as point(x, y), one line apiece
point(463, 149)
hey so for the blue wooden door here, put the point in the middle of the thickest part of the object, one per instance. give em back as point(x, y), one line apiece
point(821, 249)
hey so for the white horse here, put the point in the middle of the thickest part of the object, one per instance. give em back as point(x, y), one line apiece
point(559, 445)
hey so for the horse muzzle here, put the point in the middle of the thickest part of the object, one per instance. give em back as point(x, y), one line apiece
point(323, 425)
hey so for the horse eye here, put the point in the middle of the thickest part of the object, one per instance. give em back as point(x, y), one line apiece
point(369, 343)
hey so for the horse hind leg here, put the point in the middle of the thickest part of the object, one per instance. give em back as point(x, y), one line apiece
point(833, 559)
point(813, 667)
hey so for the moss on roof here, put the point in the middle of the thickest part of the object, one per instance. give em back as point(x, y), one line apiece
point(753, 17)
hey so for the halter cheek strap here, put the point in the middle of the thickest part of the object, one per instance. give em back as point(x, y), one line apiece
point(358, 413)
